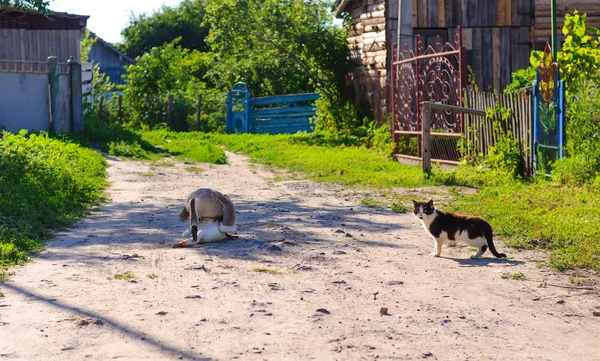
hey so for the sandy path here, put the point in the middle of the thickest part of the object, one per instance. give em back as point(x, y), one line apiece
point(63, 306)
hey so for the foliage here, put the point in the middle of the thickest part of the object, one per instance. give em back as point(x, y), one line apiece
point(145, 32)
point(171, 69)
point(583, 135)
point(44, 183)
point(579, 54)
point(40, 5)
point(284, 47)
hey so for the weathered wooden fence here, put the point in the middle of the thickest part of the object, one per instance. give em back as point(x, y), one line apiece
point(87, 82)
point(481, 133)
point(41, 96)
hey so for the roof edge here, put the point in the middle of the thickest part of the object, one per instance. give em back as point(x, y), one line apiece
point(340, 7)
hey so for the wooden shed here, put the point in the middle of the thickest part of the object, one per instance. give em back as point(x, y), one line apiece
point(497, 34)
point(33, 36)
point(112, 62)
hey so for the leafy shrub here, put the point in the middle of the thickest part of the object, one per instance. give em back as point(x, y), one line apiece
point(44, 183)
point(579, 54)
point(583, 135)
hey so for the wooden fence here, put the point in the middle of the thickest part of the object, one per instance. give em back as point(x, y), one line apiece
point(480, 131)
point(87, 82)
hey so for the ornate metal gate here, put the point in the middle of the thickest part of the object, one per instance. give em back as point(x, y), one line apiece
point(436, 74)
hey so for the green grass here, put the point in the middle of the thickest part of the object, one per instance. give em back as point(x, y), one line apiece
point(194, 169)
point(189, 146)
point(398, 207)
point(349, 165)
point(45, 183)
point(125, 277)
point(266, 270)
point(541, 215)
point(152, 276)
point(518, 276)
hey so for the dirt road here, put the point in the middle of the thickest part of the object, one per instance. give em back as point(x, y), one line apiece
point(306, 280)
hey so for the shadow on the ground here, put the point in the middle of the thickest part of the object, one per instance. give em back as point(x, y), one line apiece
point(141, 224)
point(126, 331)
point(484, 261)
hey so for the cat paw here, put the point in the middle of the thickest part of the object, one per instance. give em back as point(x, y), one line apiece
point(434, 254)
point(475, 256)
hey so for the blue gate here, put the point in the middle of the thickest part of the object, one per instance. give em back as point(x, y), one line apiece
point(238, 109)
point(273, 115)
point(548, 115)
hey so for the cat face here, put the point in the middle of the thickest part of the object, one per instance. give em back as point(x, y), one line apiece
point(423, 208)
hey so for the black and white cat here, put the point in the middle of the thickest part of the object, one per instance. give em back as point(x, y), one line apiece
point(446, 226)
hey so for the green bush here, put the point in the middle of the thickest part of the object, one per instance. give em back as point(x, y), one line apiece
point(44, 183)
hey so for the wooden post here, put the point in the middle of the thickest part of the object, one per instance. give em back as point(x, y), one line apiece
point(426, 138)
point(170, 110)
point(100, 105)
point(76, 96)
point(198, 111)
point(53, 93)
point(119, 109)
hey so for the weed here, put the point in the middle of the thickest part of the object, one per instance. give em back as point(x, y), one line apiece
point(152, 276)
point(1, 294)
point(578, 280)
point(125, 277)
point(472, 249)
point(147, 174)
point(519, 276)
point(194, 169)
point(371, 202)
point(265, 270)
point(399, 207)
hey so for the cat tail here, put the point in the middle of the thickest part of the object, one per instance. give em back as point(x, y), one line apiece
point(490, 243)
point(193, 219)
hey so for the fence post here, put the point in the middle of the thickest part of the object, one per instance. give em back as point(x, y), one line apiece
point(426, 137)
point(76, 96)
point(198, 110)
point(53, 90)
point(100, 105)
point(119, 108)
point(170, 110)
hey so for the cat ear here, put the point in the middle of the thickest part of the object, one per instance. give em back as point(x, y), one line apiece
point(430, 203)
point(415, 202)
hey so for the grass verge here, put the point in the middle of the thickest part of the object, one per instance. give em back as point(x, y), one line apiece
point(45, 183)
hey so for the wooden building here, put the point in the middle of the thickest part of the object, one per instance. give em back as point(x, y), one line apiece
point(33, 36)
point(112, 62)
point(497, 34)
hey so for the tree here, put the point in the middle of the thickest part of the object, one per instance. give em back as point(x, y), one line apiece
point(145, 32)
point(40, 5)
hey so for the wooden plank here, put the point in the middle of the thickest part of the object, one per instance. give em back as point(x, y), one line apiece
point(86, 76)
point(514, 16)
point(491, 13)
point(464, 19)
point(488, 69)
point(524, 48)
point(285, 98)
point(441, 13)
point(422, 13)
point(505, 74)
point(432, 13)
point(469, 15)
point(467, 38)
point(478, 57)
point(285, 110)
point(415, 13)
point(528, 13)
point(500, 12)
point(279, 123)
point(496, 61)
point(449, 14)
point(514, 49)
